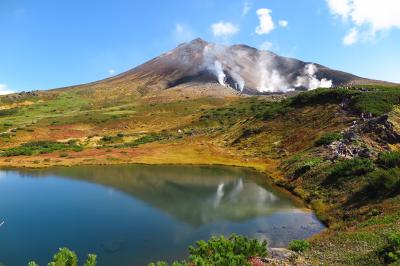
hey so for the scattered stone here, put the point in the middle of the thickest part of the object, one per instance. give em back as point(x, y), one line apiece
point(281, 253)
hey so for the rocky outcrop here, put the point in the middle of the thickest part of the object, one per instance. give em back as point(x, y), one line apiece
point(22, 95)
point(382, 130)
point(280, 257)
point(379, 129)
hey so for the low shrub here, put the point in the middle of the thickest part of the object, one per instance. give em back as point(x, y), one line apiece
point(107, 138)
point(389, 159)
point(390, 253)
point(8, 112)
point(40, 147)
point(328, 138)
point(376, 102)
point(299, 245)
point(384, 180)
point(275, 109)
point(350, 168)
point(145, 139)
point(221, 251)
point(66, 257)
point(322, 96)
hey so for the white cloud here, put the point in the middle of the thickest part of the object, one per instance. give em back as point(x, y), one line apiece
point(224, 29)
point(111, 71)
point(283, 23)
point(246, 8)
point(351, 37)
point(183, 33)
point(339, 7)
point(266, 23)
point(266, 46)
point(367, 17)
point(4, 89)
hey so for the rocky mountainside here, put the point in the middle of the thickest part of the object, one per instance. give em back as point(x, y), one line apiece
point(237, 67)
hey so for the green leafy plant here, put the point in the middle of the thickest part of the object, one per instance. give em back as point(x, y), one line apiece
point(66, 257)
point(390, 253)
point(299, 245)
point(91, 260)
point(220, 251)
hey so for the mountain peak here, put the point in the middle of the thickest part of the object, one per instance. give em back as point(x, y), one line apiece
point(198, 41)
point(238, 67)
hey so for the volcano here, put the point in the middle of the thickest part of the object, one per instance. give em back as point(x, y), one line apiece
point(218, 69)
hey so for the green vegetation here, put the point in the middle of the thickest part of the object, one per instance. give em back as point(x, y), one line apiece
point(66, 257)
point(322, 96)
point(391, 251)
point(221, 251)
point(350, 168)
point(146, 139)
point(384, 181)
point(376, 101)
point(299, 245)
point(41, 147)
point(328, 138)
point(8, 112)
point(257, 108)
point(389, 159)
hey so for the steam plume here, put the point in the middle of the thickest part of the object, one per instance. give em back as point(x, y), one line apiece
point(219, 72)
point(237, 65)
point(310, 81)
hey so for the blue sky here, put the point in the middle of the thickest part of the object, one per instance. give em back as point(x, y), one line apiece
point(47, 44)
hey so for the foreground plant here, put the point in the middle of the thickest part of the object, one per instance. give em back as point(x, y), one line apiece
point(391, 252)
point(220, 251)
point(299, 245)
point(66, 257)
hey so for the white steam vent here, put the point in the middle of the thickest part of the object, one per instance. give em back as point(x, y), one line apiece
point(310, 81)
point(262, 70)
point(219, 72)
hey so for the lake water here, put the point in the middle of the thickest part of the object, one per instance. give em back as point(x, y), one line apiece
point(131, 215)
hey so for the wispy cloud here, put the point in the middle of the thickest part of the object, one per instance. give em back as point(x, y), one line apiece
point(266, 46)
point(283, 23)
point(366, 17)
point(266, 23)
point(4, 89)
point(224, 29)
point(351, 37)
point(111, 71)
point(183, 33)
point(246, 8)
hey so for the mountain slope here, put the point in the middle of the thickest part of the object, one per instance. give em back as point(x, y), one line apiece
point(240, 67)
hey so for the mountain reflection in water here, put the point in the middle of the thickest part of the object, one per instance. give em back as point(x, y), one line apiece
point(194, 195)
point(134, 214)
